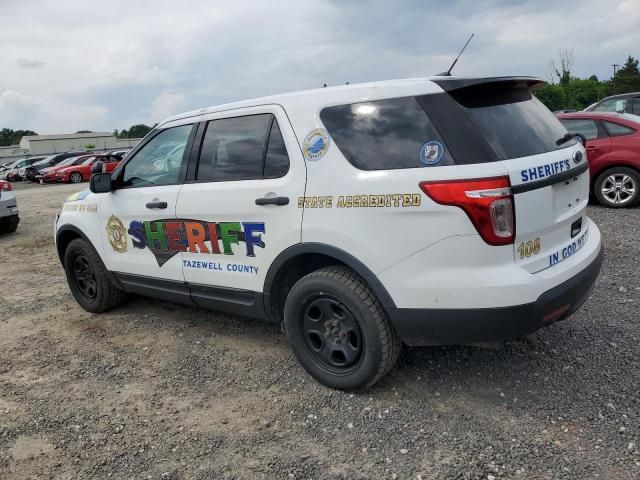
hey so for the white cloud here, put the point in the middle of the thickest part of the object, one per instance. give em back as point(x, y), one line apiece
point(143, 61)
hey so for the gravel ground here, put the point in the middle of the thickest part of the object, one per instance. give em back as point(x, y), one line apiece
point(162, 391)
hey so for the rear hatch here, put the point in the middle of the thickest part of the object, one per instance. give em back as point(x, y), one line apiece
point(548, 171)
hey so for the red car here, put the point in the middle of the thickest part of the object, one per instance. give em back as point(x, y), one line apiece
point(82, 172)
point(613, 152)
point(48, 174)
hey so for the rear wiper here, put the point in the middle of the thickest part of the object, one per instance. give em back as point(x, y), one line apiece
point(566, 138)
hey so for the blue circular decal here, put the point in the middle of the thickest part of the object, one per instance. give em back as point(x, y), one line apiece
point(431, 152)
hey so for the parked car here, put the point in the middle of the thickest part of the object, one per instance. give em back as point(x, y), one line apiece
point(16, 171)
point(48, 174)
point(625, 103)
point(613, 152)
point(32, 171)
point(82, 172)
point(9, 214)
point(424, 211)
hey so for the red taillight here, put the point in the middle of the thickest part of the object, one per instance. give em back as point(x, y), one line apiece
point(5, 186)
point(488, 203)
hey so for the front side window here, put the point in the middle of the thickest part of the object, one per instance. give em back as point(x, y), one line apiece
point(158, 161)
point(613, 105)
point(386, 134)
point(233, 149)
point(616, 130)
point(584, 126)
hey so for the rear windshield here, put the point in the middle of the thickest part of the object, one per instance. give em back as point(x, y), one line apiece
point(477, 124)
point(513, 121)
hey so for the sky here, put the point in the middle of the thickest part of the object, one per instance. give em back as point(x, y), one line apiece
point(86, 65)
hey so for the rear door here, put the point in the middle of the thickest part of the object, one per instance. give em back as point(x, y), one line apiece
point(238, 210)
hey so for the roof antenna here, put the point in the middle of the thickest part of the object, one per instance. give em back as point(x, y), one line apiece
point(448, 72)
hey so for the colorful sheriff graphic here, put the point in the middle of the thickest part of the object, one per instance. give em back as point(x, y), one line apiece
point(166, 238)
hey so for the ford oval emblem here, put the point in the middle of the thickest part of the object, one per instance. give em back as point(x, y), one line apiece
point(577, 156)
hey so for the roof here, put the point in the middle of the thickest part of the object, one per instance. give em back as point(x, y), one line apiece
point(352, 93)
point(601, 116)
point(65, 136)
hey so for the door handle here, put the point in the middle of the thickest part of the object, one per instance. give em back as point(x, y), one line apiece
point(591, 149)
point(272, 201)
point(156, 205)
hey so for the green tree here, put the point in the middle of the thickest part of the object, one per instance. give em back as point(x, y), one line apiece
point(627, 79)
point(89, 146)
point(9, 136)
point(138, 131)
point(553, 96)
point(582, 93)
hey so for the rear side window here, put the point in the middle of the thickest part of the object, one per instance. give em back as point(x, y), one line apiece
point(240, 148)
point(636, 106)
point(586, 127)
point(276, 162)
point(617, 130)
point(386, 134)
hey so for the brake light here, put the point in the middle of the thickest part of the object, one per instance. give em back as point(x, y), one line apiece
point(5, 186)
point(488, 202)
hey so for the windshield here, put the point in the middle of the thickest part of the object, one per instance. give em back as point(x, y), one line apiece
point(44, 161)
point(68, 161)
point(88, 161)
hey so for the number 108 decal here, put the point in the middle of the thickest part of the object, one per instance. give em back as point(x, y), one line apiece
point(529, 248)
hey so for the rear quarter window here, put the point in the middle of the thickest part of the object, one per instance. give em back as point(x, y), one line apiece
point(386, 134)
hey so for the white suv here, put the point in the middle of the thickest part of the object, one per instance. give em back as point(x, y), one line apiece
point(424, 211)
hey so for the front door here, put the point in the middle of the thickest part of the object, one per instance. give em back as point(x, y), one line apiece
point(136, 216)
point(239, 206)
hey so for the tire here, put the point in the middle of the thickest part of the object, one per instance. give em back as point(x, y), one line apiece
point(338, 330)
point(617, 187)
point(75, 177)
point(88, 279)
point(9, 224)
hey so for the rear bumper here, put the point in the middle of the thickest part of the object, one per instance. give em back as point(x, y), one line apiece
point(8, 208)
point(417, 326)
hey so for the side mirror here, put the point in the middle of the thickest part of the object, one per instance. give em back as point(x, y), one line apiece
point(97, 167)
point(100, 183)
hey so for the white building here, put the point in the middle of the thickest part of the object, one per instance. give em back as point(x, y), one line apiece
point(12, 151)
point(40, 144)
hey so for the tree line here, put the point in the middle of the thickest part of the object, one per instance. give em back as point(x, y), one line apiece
point(566, 92)
point(9, 137)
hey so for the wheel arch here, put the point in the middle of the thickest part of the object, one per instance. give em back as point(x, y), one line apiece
point(303, 258)
point(64, 236)
point(609, 166)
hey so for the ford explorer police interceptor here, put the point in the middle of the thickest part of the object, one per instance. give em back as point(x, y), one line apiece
point(423, 211)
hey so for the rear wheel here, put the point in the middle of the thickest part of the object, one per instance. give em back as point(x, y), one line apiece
point(338, 330)
point(617, 187)
point(88, 280)
point(9, 224)
point(75, 177)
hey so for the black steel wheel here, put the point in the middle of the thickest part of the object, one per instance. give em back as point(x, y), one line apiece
point(338, 330)
point(332, 334)
point(88, 278)
point(84, 277)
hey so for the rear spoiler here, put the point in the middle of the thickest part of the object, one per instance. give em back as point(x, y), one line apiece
point(452, 84)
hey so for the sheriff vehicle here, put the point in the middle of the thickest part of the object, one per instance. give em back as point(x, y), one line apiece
point(361, 217)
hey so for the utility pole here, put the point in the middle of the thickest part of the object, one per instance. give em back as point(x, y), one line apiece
point(615, 68)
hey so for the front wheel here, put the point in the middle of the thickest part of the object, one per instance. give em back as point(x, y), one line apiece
point(88, 280)
point(338, 330)
point(75, 177)
point(617, 187)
